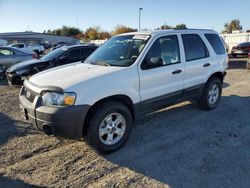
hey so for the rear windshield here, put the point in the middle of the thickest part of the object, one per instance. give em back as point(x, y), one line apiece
point(244, 44)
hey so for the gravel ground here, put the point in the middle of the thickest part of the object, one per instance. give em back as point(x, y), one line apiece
point(181, 146)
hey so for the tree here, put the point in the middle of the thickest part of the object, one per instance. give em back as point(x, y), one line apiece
point(103, 35)
point(232, 26)
point(119, 29)
point(164, 26)
point(180, 26)
point(65, 31)
point(92, 33)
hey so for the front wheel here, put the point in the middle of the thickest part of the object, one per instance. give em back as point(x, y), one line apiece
point(211, 94)
point(109, 126)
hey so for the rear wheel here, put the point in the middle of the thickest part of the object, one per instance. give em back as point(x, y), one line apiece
point(211, 94)
point(109, 126)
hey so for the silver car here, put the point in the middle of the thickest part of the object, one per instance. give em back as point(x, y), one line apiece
point(10, 56)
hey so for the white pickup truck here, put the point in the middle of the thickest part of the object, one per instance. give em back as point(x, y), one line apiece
point(39, 49)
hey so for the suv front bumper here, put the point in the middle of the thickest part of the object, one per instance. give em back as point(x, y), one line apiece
point(66, 122)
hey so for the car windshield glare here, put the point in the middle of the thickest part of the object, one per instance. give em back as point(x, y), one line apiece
point(120, 51)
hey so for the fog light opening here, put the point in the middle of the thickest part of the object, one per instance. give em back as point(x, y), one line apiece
point(47, 130)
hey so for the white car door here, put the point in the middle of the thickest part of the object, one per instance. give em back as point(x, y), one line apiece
point(160, 80)
point(196, 62)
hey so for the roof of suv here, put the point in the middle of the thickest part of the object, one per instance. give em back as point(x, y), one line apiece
point(169, 31)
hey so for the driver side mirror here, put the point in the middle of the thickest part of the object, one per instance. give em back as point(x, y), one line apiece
point(152, 62)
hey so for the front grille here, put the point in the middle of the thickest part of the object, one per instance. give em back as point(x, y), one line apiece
point(29, 95)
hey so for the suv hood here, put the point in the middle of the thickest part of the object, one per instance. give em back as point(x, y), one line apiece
point(70, 75)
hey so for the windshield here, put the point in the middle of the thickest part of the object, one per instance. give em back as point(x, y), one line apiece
point(119, 51)
point(54, 54)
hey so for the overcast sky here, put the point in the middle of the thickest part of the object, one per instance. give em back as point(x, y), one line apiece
point(40, 15)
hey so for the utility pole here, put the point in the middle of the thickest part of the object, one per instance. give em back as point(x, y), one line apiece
point(140, 9)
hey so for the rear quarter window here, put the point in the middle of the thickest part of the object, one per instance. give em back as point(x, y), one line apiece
point(216, 43)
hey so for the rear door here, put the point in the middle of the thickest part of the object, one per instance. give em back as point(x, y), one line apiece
point(197, 61)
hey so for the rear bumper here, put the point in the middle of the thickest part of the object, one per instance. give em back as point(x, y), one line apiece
point(66, 122)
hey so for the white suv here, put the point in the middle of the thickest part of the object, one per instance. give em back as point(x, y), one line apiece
point(130, 75)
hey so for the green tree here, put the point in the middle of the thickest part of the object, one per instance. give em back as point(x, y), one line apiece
point(119, 29)
point(232, 26)
point(65, 31)
point(164, 26)
point(180, 26)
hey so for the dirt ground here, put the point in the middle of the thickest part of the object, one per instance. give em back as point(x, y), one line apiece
point(181, 146)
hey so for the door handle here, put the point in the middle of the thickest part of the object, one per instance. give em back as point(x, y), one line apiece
point(177, 71)
point(206, 65)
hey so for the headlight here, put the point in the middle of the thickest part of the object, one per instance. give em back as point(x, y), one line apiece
point(58, 99)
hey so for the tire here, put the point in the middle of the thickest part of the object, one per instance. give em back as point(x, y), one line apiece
point(109, 111)
point(207, 102)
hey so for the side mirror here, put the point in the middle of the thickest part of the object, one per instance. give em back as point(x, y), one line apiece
point(152, 62)
point(156, 61)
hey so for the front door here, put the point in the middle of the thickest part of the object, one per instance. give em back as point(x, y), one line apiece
point(158, 83)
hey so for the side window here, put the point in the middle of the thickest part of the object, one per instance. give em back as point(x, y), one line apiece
point(165, 49)
point(5, 52)
point(194, 47)
point(86, 52)
point(216, 43)
point(74, 55)
point(20, 46)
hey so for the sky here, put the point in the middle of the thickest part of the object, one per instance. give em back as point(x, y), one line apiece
point(40, 15)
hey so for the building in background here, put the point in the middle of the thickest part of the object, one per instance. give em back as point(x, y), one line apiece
point(36, 38)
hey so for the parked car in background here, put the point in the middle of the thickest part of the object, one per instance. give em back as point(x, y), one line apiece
point(3, 42)
point(130, 75)
point(10, 56)
point(241, 49)
point(38, 49)
point(61, 56)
